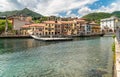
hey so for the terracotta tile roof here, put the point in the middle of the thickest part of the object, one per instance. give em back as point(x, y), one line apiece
point(37, 25)
point(67, 22)
point(33, 25)
point(64, 22)
point(25, 26)
point(52, 22)
point(80, 20)
point(93, 23)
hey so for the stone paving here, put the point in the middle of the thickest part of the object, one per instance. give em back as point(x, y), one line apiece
point(117, 64)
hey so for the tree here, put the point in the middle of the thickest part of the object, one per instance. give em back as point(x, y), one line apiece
point(2, 25)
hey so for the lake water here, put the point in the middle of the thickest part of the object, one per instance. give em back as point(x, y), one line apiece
point(83, 57)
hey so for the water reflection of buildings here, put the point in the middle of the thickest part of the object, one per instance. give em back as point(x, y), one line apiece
point(17, 44)
point(30, 43)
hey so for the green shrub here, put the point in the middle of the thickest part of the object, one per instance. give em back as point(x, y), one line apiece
point(114, 36)
point(113, 47)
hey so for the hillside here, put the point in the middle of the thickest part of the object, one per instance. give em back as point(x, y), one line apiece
point(116, 13)
point(101, 15)
point(96, 16)
point(25, 12)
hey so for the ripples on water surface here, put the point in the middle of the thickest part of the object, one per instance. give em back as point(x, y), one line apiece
point(87, 57)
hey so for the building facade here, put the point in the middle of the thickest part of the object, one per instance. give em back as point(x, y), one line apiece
point(109, 24)
point(19, 21)
point(59, 28)
point(36, 29)
point(95, 28)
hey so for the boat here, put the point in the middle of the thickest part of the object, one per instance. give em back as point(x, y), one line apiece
point(51, 38)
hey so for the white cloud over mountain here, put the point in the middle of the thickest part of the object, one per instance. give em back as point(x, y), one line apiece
point(54, 7)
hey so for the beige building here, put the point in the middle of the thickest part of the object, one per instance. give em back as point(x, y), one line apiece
point(37, 29)
point(78, 26)
point(52, 28)
point(95, 28)
point(66, 27)
point(19, 21)
point(60, 28)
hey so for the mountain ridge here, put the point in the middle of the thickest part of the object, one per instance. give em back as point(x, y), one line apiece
point(24, 12)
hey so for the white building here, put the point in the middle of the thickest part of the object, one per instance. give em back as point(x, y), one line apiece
point(109, 24)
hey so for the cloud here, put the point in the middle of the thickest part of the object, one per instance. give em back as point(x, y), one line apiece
point(3, 5)
point(112, 7)
point(54, 7)
point(84, 10)
point(45, 7)
point(70, 14)
point(109, 9)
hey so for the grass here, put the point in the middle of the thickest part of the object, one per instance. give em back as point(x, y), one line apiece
point(114, 55)
point(113, 47)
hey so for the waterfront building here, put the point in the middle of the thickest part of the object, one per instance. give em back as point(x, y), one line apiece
point(87, 28)
point(95, 28)
point(79, 27)
point(109, 25)
point(52, 28)
point(37, 29)
point(59, 28)
point(25, 30)
point(19, 21)
point(66, 27)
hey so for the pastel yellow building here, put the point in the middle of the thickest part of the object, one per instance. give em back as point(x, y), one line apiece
point(52, 28)
point(78, 26)
point(61, 28)
point(95, 28)
point(37, 29)
point(66, 27)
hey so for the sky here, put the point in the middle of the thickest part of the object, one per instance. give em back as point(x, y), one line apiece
point(62, 8)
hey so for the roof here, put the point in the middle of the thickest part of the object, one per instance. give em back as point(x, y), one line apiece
point(80, 20)
point(25, 26)
point(37, 25)
point(52, 22)
point(33, 25)
point(67, 22)
point(95, 27)
point(93, 23)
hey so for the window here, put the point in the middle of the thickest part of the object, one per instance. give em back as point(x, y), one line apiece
point(40, 29)
point(45, 33)
point(40, 34)
point(32, 28)
point(52, 33)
